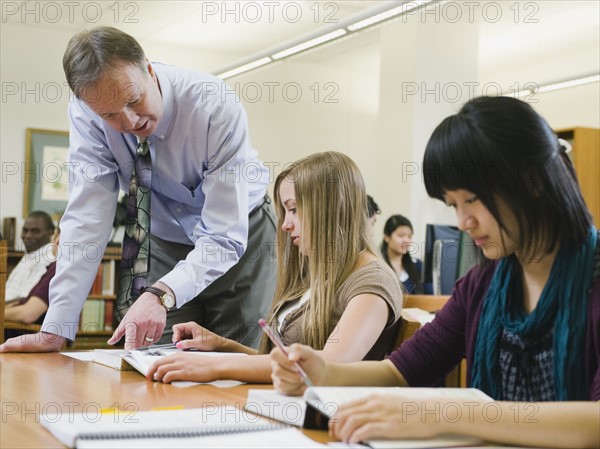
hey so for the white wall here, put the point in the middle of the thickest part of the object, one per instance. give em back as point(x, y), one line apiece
point(34, 95)
point(320, 102)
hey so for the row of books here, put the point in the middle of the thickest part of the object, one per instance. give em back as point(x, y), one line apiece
point(104, 283)
point(97, 315)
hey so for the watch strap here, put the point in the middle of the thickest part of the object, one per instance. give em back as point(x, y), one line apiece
point(156, 291)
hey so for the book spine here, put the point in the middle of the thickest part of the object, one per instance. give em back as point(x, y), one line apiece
point(9, 232)
point(108, 314)
point(97, 285)
point(92, 316)
point(108, 279)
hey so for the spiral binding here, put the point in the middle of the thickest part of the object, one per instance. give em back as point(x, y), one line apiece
point(183, 432)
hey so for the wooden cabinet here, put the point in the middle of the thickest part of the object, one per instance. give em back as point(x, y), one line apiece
point(586, 159)
point(96, 320)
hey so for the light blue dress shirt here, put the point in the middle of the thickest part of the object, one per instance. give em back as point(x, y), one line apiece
point(206, 178)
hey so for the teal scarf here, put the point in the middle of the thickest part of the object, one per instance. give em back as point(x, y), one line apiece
point(562, 305)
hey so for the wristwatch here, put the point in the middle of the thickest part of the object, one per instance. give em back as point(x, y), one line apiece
point(166, 299)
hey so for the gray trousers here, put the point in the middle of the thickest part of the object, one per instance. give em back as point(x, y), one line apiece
point(232, 304)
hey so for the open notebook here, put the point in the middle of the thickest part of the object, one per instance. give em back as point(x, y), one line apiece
point(318, 404)
point(203, 427)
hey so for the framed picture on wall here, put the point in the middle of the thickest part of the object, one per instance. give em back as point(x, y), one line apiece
point(46, 173)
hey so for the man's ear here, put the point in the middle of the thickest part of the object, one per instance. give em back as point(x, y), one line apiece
point(149, 68)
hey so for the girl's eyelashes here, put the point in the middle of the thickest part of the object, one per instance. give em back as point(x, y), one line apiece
point(470, 200)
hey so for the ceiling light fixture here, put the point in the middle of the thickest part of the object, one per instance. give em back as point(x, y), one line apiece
point(309, 44)
point(373, 16)
point(245, 68)
point(377, 18)
point(535, 89)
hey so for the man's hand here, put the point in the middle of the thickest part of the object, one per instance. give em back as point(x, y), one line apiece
point(40, 342)
point(143, 323)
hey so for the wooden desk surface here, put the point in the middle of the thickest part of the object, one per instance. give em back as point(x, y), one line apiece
point(31, 384)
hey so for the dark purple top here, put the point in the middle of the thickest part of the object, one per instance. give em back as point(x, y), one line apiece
point(41, 289)
point(429, 356)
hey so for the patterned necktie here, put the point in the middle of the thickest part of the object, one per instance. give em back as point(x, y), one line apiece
point(135, 260)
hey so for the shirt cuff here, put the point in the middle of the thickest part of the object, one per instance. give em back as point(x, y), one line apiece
point(60, 321)
point(182, 286)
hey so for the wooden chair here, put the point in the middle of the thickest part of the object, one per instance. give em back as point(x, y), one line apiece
point(409, 325)
point(3, 268)
point(431, 303)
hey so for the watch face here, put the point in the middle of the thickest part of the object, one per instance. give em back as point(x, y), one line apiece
point(168, 300)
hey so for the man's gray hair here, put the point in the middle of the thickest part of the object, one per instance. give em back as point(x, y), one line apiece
point(90, 52)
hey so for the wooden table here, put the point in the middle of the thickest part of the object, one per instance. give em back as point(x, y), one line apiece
point(31, 384)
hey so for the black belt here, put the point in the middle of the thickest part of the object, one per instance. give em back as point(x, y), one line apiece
point(266, 200)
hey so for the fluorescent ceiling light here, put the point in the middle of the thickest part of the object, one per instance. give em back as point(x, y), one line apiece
point(570, 83)
point(309, 44)
point(244, 68)
point(402, 9)
point(364, 20)
point(555, 86)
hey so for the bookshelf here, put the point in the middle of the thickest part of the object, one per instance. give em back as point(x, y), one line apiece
point(586, 159)
point(96, 320)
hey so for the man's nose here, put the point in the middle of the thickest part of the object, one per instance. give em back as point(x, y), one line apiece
point(129, 120)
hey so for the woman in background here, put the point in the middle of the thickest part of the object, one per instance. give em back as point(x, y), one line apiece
point(395, 249)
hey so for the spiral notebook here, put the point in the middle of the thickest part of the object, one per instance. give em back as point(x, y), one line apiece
point(165, 428)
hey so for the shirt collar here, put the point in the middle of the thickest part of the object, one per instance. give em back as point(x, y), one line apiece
point(166, 89)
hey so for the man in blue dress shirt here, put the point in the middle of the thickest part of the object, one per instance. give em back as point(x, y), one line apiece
point(212, 226)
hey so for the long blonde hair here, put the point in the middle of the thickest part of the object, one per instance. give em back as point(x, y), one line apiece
point(331, 202)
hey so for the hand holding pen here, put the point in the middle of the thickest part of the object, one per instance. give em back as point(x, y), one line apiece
point(276, 339)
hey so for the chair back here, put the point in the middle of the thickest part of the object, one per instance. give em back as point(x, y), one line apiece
point(430, 303)
point(3, 269)
point(407, 325)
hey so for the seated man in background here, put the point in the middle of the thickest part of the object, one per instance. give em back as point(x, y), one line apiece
point(33, 307)
point(37, 232)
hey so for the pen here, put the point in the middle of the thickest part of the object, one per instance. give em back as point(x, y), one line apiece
point(276, 339)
